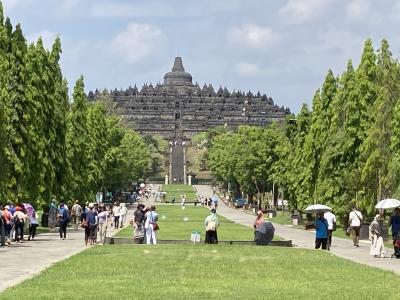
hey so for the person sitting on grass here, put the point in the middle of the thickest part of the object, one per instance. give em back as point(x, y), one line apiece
point(321, 233)
point(211, 223)
point(259, 220)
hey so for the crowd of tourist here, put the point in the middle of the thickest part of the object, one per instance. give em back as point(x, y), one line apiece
point(18, 223)
point(325, 224)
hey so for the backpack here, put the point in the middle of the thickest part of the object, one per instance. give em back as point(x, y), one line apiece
point(211, 225)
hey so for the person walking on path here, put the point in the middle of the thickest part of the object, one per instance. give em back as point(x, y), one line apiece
point(355, 221)
point(122, 214)
point(103, 220)
point(7, 218)
point(63, 216)
point(321, 232)
point(395, 223)
point(138, 224)
point(151, 225)
point(53, 214)
point(377, 248)
point(331, 218)
point(19, 223)
point(91, 221)
point(33, 224)
point(116, 212)
point(76, 213)
point(211, 223)
point(2, 229)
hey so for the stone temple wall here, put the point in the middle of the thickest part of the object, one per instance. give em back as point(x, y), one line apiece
point(180, 106)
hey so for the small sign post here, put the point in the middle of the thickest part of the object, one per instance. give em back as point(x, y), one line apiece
point(195, 237)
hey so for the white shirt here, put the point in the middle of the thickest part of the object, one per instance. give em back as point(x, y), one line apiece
point(116, 211)
point(355, 218)
point(331, 218)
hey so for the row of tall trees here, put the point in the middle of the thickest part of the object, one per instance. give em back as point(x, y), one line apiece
point(345, 149)
point(50, 145)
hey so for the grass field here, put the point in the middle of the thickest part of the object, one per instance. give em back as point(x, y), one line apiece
point(177, 224)
point(177, 190)
point(206, 272)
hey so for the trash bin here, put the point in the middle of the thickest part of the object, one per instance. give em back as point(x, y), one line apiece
point(295, 219)
point(45, 220)
point(271, 213)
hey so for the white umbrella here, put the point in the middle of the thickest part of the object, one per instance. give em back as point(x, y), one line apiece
point(388, 203)
point(317, 208)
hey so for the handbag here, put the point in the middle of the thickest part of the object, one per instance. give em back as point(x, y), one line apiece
point(348, 230)
point(155, 226)
point(84, 224)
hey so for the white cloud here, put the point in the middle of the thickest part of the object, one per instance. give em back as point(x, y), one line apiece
point(125, 10)
point(137, 42)
point(299, 11)
point(252, 35)
point(358, 9)
point(247, 69)
point(47, 36)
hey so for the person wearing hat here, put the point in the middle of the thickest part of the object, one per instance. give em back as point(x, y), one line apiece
point(19, 223)
point(377, 248)
point(211, 223)
point(91, 220)
point(76, 213)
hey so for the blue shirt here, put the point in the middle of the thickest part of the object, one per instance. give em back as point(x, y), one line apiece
point(395, 222)
point(64, 214)
point(91, 217)
point(321, 226)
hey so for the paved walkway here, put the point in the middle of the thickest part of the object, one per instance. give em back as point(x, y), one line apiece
point(25, 260)
point(305, 239)
point(19, 262)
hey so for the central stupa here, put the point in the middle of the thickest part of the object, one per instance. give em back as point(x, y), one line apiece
point(178, 76)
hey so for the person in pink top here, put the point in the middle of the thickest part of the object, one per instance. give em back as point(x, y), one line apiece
point(259, 219)
point(7, 224)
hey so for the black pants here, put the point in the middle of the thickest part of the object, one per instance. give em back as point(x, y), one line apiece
point(63, 229)
point(321, 242)
point(330, 231)
point(211, 237)
point(19, 228)
point(116, 221)
point(32, 230)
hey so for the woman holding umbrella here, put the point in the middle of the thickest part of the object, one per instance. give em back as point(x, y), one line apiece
point(321, 231)
point(321, 225)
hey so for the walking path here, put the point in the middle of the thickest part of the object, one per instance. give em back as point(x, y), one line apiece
point(305, 239)
point(25, 260)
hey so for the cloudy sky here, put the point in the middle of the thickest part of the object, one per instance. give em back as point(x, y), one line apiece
point(280, 47)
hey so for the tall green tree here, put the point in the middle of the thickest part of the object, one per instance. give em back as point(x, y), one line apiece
point(78, 146)
point(376, 149)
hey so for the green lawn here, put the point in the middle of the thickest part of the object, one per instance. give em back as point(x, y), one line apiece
point(177, 190)
point(177, 224)
point(206, 272)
